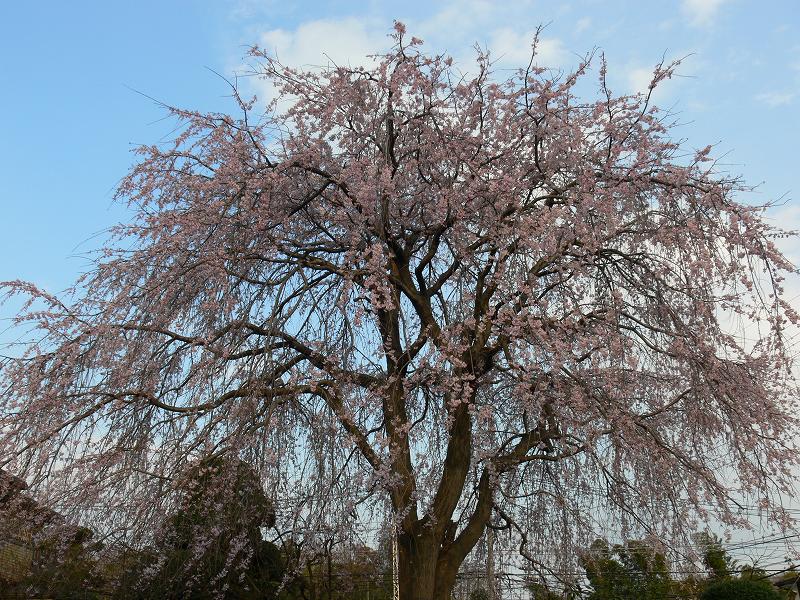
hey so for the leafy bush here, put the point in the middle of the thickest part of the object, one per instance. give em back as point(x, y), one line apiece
point(741, 589)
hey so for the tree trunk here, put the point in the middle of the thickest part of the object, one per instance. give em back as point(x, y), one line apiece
point(424, 573)
point(418, 557)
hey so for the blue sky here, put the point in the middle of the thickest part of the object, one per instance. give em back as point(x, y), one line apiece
point(74, 74)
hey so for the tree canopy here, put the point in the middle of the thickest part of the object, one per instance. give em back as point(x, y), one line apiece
point(424, 297)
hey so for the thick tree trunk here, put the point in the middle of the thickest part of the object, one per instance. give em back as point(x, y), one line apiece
point(424, 573)
point(418, 558)
point(445, 580)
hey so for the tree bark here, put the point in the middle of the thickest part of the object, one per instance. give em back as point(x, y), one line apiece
point(417, 568)
point(427, 571)
point(423, 576)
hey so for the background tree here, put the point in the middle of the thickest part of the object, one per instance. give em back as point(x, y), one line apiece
point(716, 559)
point(425, 296)
point(41, 555)
point(630, 571)
point(357, 573)
point(361, 574)
point(540, 591)
point(212, 544)
point(65, 565)
point(743, 588)
point(479, 593)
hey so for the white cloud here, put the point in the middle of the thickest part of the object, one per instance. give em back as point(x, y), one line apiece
point(318, 43)
point(463, 21)
point(701, 13)
point(348, 41)
point(583, 24)
point(773, 99)
point(636, 77)
point(638, 80)
point(514, 48)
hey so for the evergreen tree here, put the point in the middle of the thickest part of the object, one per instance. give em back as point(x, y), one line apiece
point(630, 571)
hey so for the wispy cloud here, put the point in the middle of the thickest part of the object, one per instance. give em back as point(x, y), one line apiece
point(451, 27)
point(639, 78)
point(515, 48)
point(346, 41)
point(456, 21)
point(701, 13)
point(583, 24)
point(774, 99)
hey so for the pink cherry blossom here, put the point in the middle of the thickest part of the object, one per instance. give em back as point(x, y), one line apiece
point(424, 298)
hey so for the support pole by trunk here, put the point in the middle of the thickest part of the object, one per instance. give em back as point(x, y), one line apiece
point(490, 583)
point(330, 576)
point(395, 564)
